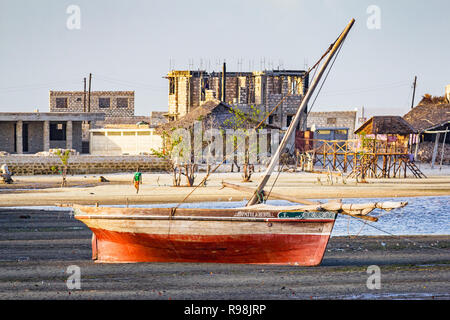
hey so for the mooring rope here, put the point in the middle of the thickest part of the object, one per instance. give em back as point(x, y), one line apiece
point(397, 236)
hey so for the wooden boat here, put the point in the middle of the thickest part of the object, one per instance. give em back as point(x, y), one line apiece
point(254, 234)
point(258, 234)
point(243, 235)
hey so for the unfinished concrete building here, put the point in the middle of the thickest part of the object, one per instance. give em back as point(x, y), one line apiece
point(32, 132)
point(261, 89)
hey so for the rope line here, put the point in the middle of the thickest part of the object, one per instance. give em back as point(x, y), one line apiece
point(260, 123)
point(396, 236)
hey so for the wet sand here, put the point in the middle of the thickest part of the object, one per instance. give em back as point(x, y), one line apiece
point(157, 188)
point(37, 247)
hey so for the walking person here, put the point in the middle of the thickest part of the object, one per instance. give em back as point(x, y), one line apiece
point(137, 179)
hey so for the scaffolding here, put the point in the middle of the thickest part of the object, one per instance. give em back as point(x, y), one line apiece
point(360, 158)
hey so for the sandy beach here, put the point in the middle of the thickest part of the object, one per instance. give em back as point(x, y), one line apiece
point(157, 188)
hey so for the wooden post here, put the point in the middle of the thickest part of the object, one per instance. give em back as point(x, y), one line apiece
point(324, 155)
point(345, 162)
point(84, 95)
point(224, 83)
point(443, 148)
point(417, 146)
point(395, 162)
point(404, 161)
point(414, 91)
point(334, 156)
point(89, 93)
point(433, 159)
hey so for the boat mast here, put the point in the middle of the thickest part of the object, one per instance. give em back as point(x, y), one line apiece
point(255, 198)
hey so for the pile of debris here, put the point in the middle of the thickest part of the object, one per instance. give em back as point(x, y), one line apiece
point(53, 152)
point(425, 152)
point(5, 175)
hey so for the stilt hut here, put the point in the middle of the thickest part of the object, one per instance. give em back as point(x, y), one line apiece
point(384, 149)
point(386, 134)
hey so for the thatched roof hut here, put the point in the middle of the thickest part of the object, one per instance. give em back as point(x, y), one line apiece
point(429, 116)
point(386, 125)
point(216, 111)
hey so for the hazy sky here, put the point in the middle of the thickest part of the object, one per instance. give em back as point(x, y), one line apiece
point(130, 45)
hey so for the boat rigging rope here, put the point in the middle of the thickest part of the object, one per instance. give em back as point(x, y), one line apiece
point(396, 236)
point(323, 81)
point(259, 124)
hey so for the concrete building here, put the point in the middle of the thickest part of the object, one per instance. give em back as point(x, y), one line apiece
point(111, 103)
point(260, 89)
point(32, 132)
point(332, 125)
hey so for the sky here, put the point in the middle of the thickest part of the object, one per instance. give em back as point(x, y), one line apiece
point(131, 45)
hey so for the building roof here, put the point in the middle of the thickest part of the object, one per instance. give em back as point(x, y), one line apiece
point(386, 125)
point(332, 113)
point(52, 116)
point(198, 73)
point(198, 114)
point(105, 93)
point(428, 116)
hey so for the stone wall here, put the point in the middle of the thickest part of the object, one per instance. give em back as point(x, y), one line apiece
point(83, 164)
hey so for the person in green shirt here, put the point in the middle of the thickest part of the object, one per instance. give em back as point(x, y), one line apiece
point(137, 179)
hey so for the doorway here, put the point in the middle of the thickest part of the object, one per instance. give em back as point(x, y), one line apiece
point(25, 137)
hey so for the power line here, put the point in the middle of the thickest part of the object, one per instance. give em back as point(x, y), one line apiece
point(367, 89)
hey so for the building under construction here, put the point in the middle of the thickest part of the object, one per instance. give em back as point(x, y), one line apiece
point(263, 90)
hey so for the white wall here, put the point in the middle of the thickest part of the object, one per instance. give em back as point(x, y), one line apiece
point(123, 141)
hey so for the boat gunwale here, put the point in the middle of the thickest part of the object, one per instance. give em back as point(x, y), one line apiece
point(203, 218)
point(271, 209)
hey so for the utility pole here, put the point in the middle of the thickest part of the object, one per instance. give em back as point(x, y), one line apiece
point(224, 82)
point(89, 93)
point(84, 95)
point(414, 91)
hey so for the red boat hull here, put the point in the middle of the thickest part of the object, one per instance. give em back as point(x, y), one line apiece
point(226, 236)
point(306, 250)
